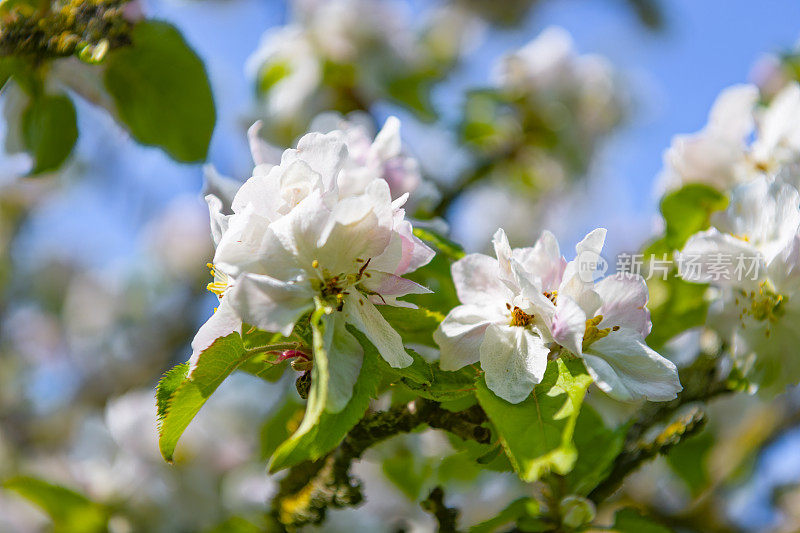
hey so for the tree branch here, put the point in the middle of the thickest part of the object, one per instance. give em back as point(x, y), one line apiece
point(311, 487)
point(660, 426)
point(446, 517)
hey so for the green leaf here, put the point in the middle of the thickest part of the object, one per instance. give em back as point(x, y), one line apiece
point(321, 431)
point(536, 434)
point(70, 511)
point(688, 460)
point(675, 306)
point(415, 326)
point(629, 520)
point(444, 386)
point(516, 510)
point(161, 91)
point(597, 448)
point(443, 245)
point(279, 426)
point(167, 386)
point(688, 210)
point(178, 404)
point(437, 277)
point(49, 130)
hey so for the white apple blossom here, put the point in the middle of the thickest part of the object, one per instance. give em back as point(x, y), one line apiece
point(371, 155)
point(752, 254)
point(741, 142)
point(530, 304)
point(313, 231)
point(548, 68)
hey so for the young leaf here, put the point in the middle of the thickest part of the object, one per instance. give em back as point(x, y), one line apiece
point(675, 306)
point(49, 130)
point(70, 511)
point(629, 520)
point(536, 434)
point(321, 431)
point(178, 403)
point(415, 326)
point(597, 448)
point(687, 211)
point(443, 245)
point(279, 426)
point(161, 91)
point(444, 386)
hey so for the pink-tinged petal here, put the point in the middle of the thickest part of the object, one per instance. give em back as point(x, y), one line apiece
point(502, 250)
point(390, 285)
point(569, 324)
point(460, 334)
point(477, 281)
point(624, 298)
point(543, 261)
point(366, 318)
point(345, 356)
point(713, 257)
point(222, 323)
point(514, 361)
point(268, 303)
point(625, 368)
point(415, 253)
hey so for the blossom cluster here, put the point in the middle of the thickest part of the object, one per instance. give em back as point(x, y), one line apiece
point(344, 54)
point(318, 229)
point(751, 152)
point(529, 305)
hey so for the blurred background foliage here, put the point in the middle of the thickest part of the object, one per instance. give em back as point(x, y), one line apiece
point(108, 111)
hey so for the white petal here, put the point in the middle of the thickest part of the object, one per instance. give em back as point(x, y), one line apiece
point(713, 257)
point(731, 116)
point(593, 242)
point(268, 303)
point(345, 356)
point(624, 367)
point(390, 285)
point(543, 261)
point(387, 142)
point(222, 323)
point(502, 250)
point(263, 152)
point(514, 361)
point(222, 187)
point(460, 334)
point(219, 221)
point(624, 298)
point(569, 324)
point(363, 315)
point(325, 153)
point(477, 281)
point(251, 245)
point(766, 213)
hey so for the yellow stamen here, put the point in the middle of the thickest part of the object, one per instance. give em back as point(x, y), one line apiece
point(520, 318)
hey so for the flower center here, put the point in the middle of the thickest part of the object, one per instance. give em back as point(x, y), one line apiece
point(764, 304)
point(519, 317)
point(593, 333)
point(333, 288)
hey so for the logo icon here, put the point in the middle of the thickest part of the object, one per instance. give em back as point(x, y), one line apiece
point(591, 266)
